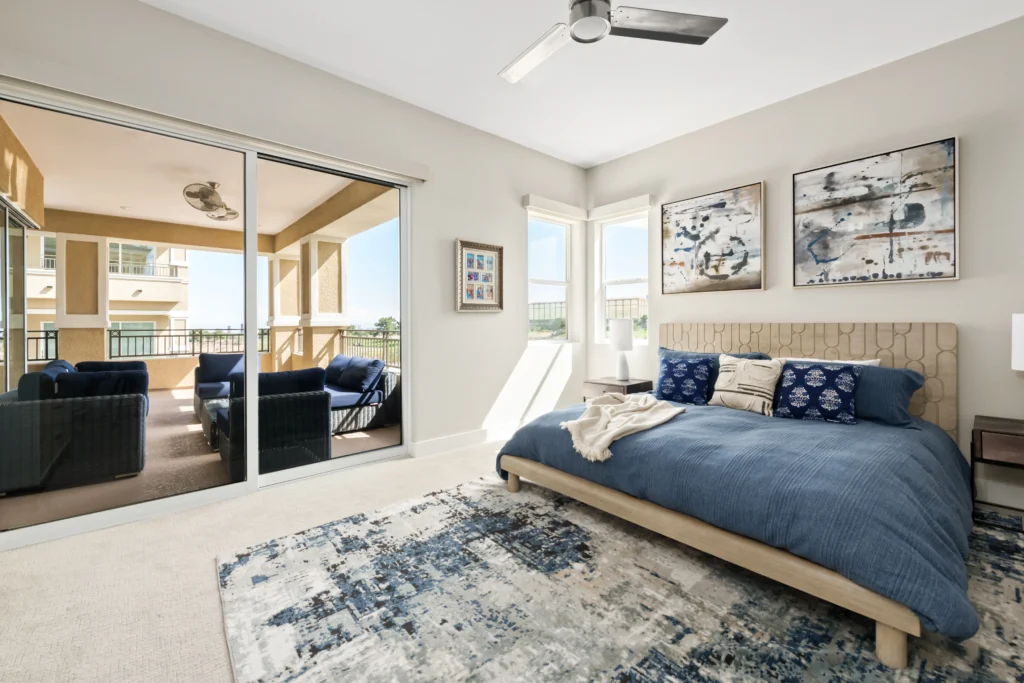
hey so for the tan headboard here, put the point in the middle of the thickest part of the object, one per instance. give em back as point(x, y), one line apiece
point(928, 348)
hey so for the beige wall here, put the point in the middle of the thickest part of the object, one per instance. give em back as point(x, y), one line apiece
point(78, 344)
point(126, 51)
point(81, 278)
point(328, 277)
point(20, 178)
point(289, 287)
point(304, 271)
point(971, 88)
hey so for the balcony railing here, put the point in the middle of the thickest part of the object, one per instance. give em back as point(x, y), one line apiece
point(162, 343)
point(144, 269)
point(385, 346)
point(547, 318)
point(48, 262)
point(42, 346)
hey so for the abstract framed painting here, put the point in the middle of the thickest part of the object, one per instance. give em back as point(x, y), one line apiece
point(891, 217)
point(714, 243)
point(479, 282)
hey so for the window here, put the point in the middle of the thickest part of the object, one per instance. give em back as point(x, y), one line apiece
point(548, 273)
point(132, 259)
point(49, 260)
point(624, 250)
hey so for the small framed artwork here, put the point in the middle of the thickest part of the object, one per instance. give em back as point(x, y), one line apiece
point(886, 218)
point(480, 282)
point(714, 243)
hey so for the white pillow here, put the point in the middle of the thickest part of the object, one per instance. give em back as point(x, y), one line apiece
point(875, 362)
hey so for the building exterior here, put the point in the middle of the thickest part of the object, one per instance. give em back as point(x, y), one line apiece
point(147, 286)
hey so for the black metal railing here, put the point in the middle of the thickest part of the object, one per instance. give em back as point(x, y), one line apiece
point(385, 346)
point(160, 343)
point(144, 269)
point(42, 346)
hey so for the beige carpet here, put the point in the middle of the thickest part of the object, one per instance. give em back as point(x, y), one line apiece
point(140, 602)
point(178, 460)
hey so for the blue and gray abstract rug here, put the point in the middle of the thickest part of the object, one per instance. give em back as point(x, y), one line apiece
point(478, 584)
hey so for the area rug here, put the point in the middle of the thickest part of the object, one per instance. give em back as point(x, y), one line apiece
point(478, 584)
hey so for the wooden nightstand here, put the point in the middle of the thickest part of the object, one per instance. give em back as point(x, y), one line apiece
point(593, 388)
point(996, 441)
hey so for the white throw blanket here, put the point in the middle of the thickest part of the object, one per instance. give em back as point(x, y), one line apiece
point(613, 416)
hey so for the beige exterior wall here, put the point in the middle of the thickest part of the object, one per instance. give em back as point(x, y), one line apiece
point(20, 178)
point(289, 287)
point(78, 344)
point(81, 290)
point(328, 277)
point(304, 272)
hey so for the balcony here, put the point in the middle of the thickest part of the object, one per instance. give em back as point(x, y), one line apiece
point(380, 345)
point(547, 318)
point(167, 343)
point(145, 269)
point(41, 346)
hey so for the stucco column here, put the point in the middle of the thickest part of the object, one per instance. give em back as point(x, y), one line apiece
point(285, 304)
point(322, 300)
point(82, 302)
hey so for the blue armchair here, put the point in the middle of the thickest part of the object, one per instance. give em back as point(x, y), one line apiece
point(212, 378)
point(294, 422)
point(358, 386)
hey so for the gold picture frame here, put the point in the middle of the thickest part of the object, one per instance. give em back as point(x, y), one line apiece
point(479, 284)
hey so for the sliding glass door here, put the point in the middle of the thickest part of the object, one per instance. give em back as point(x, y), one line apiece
point(331, 384)
point(123, 321)
point(145, 307)
point(14, 357)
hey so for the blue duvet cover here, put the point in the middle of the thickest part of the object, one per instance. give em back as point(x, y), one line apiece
point(887, 507)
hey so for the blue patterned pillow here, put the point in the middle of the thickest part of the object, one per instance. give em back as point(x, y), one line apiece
point(818, 391)
point(685, 380)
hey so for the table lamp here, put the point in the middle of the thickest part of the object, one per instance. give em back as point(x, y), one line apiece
point(620, 334)
point(1017, 342)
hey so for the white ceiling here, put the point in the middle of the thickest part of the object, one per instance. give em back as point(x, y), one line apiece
point(100, 168)
point(592, 103)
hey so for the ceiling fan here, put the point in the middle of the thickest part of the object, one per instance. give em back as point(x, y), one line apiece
point(592, 20)
point(204, 197)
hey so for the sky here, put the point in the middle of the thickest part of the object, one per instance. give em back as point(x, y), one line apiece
point(625, 258)
point(216, 282)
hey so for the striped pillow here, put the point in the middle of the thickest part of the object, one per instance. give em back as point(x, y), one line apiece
point(746, 384)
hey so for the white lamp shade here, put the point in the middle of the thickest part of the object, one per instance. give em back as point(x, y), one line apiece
point(620, 334)
point(1017, 343)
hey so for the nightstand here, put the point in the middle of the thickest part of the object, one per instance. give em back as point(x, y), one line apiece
point(593, 388)
point(996, 441)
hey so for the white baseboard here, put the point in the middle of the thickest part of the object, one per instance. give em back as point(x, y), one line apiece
point(422, 449)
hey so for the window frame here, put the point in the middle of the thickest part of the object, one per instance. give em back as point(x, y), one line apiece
point(551, 219)
point(602, 281)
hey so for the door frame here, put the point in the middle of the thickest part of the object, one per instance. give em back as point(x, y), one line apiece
point(404, 179)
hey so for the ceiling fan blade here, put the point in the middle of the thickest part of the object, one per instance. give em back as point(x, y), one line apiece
point(653, 24)
point(548, 45)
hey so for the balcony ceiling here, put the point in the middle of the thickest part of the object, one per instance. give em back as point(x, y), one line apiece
point(592, 103)
point(100, 168)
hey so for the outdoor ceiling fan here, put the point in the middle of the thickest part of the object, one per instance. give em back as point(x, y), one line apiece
point(592, 20)
point(204, 197)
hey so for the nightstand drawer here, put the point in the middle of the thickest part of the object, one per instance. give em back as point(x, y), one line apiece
point(1002, 448)
point(591, 390)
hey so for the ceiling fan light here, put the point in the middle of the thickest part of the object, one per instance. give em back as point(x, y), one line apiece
point(590, 20)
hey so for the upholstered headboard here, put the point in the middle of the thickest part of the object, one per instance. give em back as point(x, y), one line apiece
point(928, 348)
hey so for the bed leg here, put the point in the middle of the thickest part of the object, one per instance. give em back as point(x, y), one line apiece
point(513, 483)
point(890, 646)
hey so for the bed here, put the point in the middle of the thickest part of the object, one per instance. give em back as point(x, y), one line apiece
point(870, 517)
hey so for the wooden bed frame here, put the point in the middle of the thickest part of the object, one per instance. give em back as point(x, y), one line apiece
point(929, 348)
